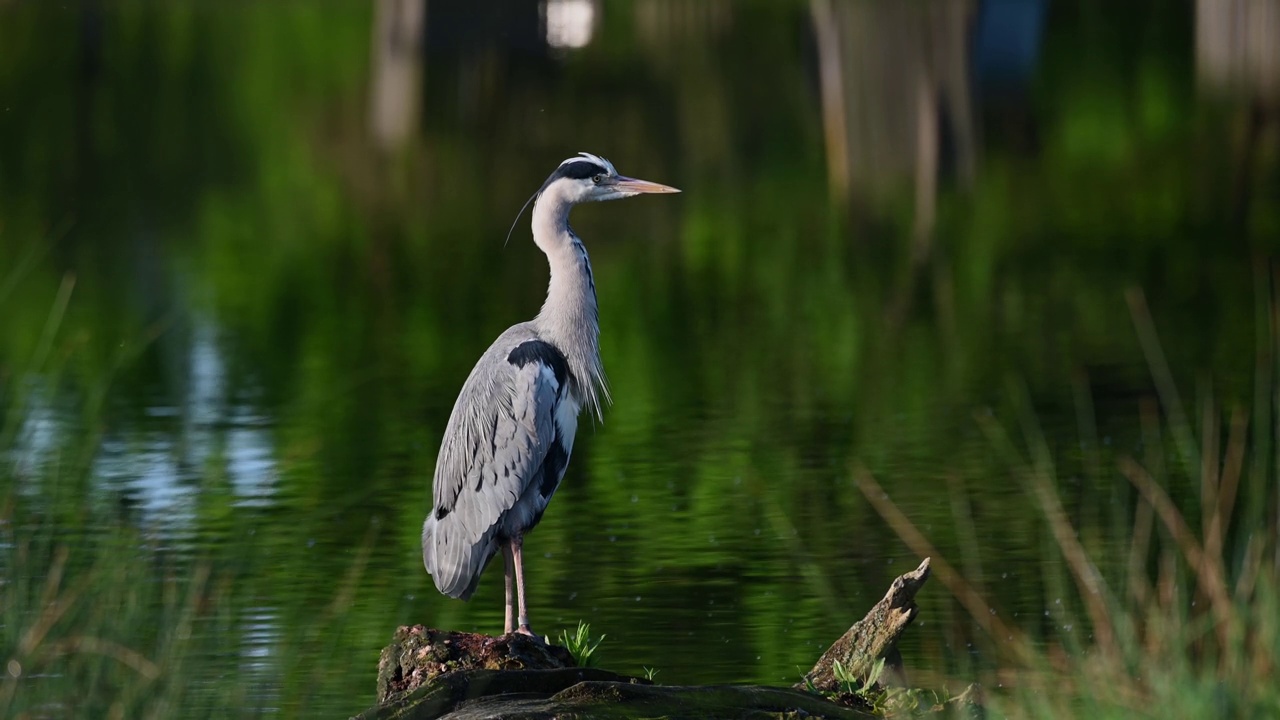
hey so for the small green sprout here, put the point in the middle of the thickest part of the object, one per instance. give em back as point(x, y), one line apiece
point(581, 645)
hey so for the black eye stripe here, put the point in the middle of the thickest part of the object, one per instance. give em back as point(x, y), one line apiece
point(580, 170)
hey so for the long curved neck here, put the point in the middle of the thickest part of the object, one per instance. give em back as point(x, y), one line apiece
point(569, 318)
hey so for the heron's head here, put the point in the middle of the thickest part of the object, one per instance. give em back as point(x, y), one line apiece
point(591, 178)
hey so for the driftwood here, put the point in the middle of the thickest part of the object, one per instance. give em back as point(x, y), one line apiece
point(873, 637)
point(425, 674)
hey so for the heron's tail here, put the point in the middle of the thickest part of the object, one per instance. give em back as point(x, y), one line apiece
point(455, 565)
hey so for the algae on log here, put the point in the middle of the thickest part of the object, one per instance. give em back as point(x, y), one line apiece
point(425, 674)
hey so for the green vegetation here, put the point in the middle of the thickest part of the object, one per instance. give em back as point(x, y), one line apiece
point(1183, 620)
point(1175, 609)
point(581, 645)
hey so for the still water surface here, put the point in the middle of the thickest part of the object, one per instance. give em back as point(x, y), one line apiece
point(250, 253)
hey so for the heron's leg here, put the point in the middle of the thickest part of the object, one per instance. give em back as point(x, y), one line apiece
point(517, 549)
point(509, 569)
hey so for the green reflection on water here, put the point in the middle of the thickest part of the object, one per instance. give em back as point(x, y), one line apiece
point(270, 312)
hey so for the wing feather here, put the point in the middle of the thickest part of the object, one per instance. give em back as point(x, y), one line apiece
point(498, 436)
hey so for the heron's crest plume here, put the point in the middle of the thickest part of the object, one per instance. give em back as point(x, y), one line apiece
point(593, 158)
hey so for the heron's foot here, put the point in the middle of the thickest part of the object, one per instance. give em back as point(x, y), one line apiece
point(524, 630)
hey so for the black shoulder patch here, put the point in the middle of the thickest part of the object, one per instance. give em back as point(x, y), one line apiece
point(553, 468)
point(580, 170)
point(541, 351)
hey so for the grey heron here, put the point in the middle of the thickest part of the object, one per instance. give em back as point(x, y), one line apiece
point(509, 437)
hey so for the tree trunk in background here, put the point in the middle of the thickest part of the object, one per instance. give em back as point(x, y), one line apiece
point(888, 73)
point(1238, 47)
point(396, 96)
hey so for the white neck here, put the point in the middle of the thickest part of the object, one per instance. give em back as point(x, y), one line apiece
point(569, 318)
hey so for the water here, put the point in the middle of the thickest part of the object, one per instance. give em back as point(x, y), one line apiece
point(250, 253)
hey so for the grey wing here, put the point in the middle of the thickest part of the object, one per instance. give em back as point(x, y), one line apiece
point(494, 447)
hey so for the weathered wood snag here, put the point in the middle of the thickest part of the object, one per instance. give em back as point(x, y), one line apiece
point(873, 637)
point(426, 674)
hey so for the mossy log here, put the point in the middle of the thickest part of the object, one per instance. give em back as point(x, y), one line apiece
point(425, 674)
point(420, 654)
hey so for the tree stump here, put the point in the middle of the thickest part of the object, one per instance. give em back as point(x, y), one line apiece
point(417, 655)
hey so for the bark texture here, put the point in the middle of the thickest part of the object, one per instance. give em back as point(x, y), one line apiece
point(873, 637)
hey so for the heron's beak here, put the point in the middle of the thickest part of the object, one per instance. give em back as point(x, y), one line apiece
point(634, 186)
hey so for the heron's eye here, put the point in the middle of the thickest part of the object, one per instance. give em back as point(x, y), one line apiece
point(597, 179)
